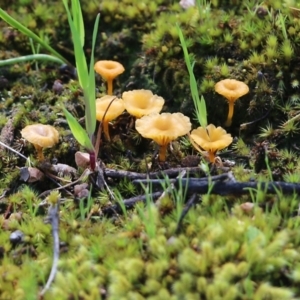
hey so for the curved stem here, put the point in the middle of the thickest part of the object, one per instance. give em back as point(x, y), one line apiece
point(109, 87)
point(162, 153)
point(105, 130)
point(230, 114)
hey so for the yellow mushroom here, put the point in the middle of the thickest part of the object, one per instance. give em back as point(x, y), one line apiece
point(211, 139)
point(105, 114)
point(232, 90)
point(163, 128)
point(109, 70)
point(142, 102)
point(41, 136)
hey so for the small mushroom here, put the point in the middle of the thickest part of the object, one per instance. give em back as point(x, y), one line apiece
point(232, 90)
point(105, 114)
point(41, 136)
point(142, 102)
point(211, 139)
point(163, 128)
point(109, 70)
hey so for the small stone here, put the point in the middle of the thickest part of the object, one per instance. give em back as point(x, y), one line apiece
point(57, 87)
point(247, 207)
point(16, 237)
point(81, 191)
point(187, 3)
point(31, 174)
point(82, 159)
point(63, 169)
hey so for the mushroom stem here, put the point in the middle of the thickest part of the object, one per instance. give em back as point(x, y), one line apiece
point(105, 130)
point(230, 114)
point(162, 152)
point(39, 151)
point(109, 87)
point(211, 156)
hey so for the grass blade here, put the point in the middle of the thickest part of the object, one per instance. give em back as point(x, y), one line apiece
point(14, 23)
point(90, 105)
point(78, 132)
point(21, 59)
point(200, 106)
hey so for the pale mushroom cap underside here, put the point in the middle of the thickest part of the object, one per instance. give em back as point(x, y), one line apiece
point(108, 69)
point(211, 138)
point(42, 135)
point(163, 128)
point(231, 89)
point(115, 109)
point(142, 102)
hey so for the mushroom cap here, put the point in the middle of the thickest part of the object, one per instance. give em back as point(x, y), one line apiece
point(163, 128)
point(108, 69)
point(115, 109)
point(41, 135)
point(211, 138)
point(142, 102)
point(231, 89)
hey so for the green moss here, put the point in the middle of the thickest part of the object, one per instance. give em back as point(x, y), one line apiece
point(221, 251)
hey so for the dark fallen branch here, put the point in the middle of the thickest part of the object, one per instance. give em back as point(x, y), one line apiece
point(161, 174)
point(129, 203)
point(224, 184)
point(158, 183)
point(202, 186)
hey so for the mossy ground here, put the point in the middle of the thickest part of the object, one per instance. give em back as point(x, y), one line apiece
point(229, 247)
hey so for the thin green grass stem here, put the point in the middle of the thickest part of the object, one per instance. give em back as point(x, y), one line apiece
point(17, 25)
point(200, 105)
point(22, 59)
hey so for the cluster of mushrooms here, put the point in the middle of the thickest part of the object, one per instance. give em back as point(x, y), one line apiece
point(150, 123)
